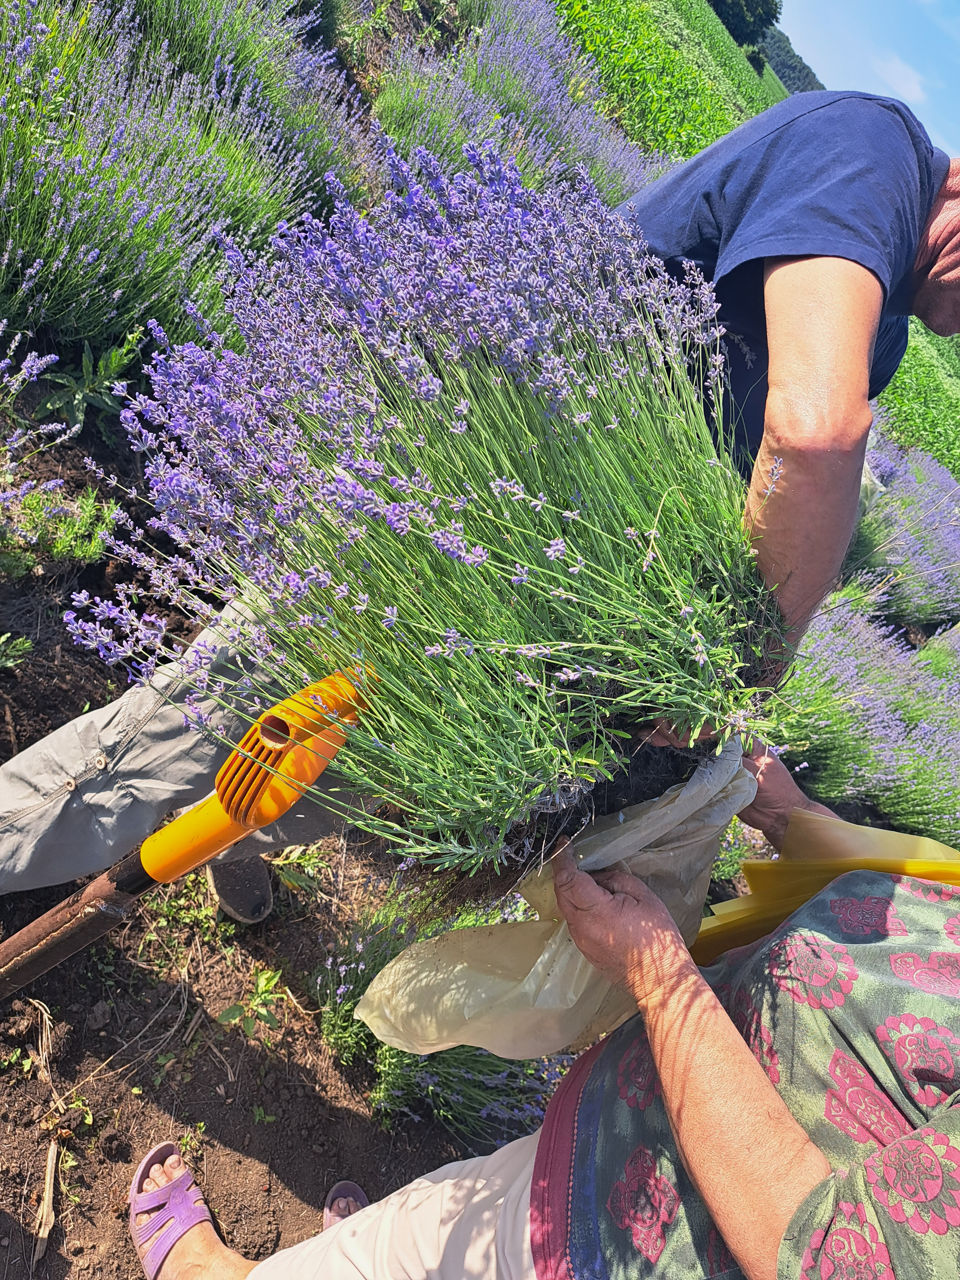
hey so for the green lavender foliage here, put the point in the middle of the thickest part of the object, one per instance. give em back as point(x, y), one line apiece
point(43, 529)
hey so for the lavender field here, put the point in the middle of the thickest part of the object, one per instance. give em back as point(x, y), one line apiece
point(343, 300)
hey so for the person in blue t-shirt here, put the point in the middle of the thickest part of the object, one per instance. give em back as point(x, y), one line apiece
point(823, 223)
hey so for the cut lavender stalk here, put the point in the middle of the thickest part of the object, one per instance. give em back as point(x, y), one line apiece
point(463, 448)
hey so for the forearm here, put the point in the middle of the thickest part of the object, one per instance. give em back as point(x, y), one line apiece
point(751, 1162)
point(802, 521)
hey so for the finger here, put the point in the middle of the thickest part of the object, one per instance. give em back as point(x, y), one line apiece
point(575, 890)
point(624, 883)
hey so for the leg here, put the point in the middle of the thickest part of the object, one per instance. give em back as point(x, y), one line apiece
point(471, 1219)
point(200, 1253)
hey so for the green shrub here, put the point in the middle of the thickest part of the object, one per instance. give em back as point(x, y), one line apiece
point(676, 79)
point(42, 528)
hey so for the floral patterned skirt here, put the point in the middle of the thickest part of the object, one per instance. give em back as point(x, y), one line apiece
point(852, 1007)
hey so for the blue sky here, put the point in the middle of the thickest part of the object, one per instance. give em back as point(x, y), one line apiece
point(907, 49)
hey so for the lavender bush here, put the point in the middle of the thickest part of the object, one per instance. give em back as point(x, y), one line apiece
point(480, 1098)
point(272, 46)
point(120, 174)
point(518, 81)
point(912, 536)
point(463, 448)
point(869, 718)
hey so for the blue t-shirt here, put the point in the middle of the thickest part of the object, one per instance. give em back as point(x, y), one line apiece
point(840, 175)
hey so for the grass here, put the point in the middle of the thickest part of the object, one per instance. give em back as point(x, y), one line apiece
point(923, 398)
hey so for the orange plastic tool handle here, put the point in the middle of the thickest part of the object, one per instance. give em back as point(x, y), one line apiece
point(277, 760)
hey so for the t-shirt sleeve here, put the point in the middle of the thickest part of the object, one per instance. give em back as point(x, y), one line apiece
point(840, 183)
point(895, 1215)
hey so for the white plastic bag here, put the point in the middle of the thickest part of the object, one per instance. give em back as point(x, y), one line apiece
point(522, 989)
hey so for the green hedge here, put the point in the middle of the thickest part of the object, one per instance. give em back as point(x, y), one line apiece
point(676, 79)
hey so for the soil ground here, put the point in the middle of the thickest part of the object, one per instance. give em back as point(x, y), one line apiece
point(121, 1048)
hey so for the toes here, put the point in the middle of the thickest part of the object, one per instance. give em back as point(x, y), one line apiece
point(173, 1165)
point(157, 1175)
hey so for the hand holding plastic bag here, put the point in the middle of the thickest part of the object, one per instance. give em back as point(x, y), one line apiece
point(522, 989)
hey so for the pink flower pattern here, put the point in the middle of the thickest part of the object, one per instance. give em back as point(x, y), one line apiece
point(849, 1249)
point(812, 970)
point(929, 890)
point(925, 1054)
point(745, 1016)
point(952, 930)
point(861, 917)
point(644, 1203)
point(858, 1108)
point(916, 1181)
point(938, 975)
point(637, 1080)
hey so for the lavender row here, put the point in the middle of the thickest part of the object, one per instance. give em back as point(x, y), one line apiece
point(872, 715)
point(121, 173)
point(519, 82)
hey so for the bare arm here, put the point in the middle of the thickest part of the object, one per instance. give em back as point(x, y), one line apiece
point(822, 316)
point(751, 1162)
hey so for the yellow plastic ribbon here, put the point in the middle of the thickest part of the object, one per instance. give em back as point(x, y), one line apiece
point(816, 850)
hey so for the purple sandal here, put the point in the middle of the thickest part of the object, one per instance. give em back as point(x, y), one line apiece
point(342, 1191)
point(176, 1210)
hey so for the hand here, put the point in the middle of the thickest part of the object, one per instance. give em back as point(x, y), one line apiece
point(777, 795)
point(622, 928)
point(665, 734)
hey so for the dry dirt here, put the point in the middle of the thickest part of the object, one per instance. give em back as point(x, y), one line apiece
point(123, 1049)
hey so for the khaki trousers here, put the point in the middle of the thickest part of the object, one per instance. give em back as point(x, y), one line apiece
point(467, 1221)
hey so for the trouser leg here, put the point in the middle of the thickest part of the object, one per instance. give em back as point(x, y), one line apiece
point(468, 1219)
point(84, 796)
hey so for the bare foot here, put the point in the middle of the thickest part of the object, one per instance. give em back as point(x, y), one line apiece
point(341, 1209)
point(200, 1253)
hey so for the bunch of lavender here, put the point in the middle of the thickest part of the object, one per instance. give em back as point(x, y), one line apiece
point(119, 175)
point(519, 81)
point(464, 450)
point(912, 536)
point(869, 719)
point(480, 1098)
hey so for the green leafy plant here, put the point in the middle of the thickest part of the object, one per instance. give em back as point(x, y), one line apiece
point(258, 1006)
point(13, 650)
point(91, 384)
point(19, 1059)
